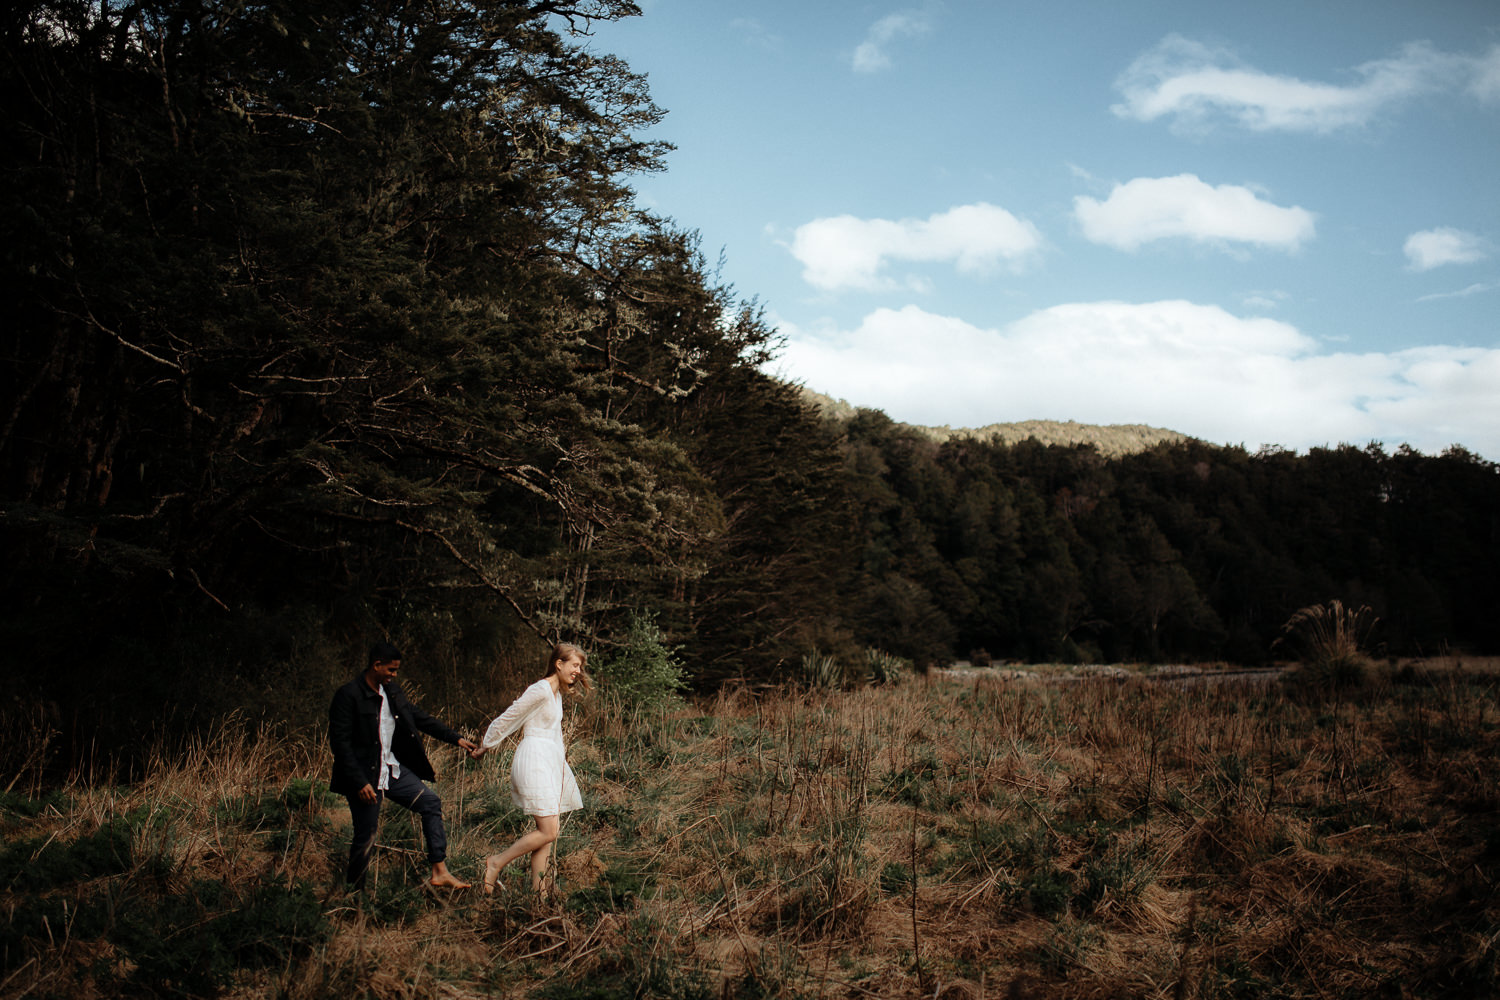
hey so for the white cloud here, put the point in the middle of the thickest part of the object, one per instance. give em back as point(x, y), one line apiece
point(1462, 293)
point(1485, 83)
point(871, 56)
point(1192, 368)
point(755, 33)
point(1156, 208)
point(1445, 245)
point(1263, 301)
point(1193, 84)
point(848, 252)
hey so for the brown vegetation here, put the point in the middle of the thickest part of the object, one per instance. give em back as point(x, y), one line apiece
point(1112, 440)
point(980, 839)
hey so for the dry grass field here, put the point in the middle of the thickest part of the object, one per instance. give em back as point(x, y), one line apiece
point(931, 838)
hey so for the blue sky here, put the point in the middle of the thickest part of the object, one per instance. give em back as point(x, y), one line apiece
point(1273, 223)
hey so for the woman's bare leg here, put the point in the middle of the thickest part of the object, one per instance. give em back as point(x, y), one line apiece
point(537, 842)
point(548, 826)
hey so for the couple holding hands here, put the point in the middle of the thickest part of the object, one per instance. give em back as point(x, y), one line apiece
point(376, 732)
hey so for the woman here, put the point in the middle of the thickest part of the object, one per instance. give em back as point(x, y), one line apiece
point(541, 783)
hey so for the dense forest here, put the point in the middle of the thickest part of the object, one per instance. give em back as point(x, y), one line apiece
point(339, 321)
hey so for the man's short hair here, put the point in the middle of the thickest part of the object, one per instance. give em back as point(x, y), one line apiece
point(384, 652)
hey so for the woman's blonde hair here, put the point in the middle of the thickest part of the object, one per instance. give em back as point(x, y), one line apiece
point(581, 684)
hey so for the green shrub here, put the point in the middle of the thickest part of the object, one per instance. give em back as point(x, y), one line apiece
point(271, 923)
point(645, 671)
point(44, 917)
point(603, 816)
point(395, 901)
point(913, 785)
point(618, 890)
point(895, 879)
point(280, 813)
point(1122, 874)
point(44, 863)
point(1069, 946)
point(23, 805)
point(194, 943)
point(646, 965)
point(1047, 889)
point(1235, 979)
point(988, 845)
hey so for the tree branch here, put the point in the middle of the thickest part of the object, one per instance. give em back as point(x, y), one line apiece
point(478, 573)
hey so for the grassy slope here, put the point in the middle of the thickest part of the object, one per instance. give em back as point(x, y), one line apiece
point(992, 838)
point(1112, 440)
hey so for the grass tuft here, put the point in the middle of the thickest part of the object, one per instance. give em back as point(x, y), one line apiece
point(1329, 640)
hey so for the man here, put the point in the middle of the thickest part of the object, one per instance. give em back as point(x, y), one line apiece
point(377, 753)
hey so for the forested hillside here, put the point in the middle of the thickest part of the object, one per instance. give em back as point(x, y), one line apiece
point(340, 320)
point(1183, 551)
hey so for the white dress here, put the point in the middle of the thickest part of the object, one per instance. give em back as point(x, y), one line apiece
point(541, 782)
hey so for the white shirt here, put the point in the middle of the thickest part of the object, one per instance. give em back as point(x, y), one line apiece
point(389, 766)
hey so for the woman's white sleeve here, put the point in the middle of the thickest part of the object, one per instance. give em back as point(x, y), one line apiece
point(512, 718)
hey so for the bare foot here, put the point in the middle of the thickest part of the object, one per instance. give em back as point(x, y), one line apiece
point(442, 878)
point(491, 872)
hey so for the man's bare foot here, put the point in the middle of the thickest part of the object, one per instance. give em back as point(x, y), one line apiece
point(442, 878)
point(491, 872)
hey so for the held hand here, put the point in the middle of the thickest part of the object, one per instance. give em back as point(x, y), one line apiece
point(367, 794)
point(475, 750)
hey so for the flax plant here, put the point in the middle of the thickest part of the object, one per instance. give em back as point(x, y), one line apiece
point(821, 670)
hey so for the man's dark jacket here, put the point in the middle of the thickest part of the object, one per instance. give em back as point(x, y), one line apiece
point(354, 733)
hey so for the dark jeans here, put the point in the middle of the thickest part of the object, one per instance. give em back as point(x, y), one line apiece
point(409, 791)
